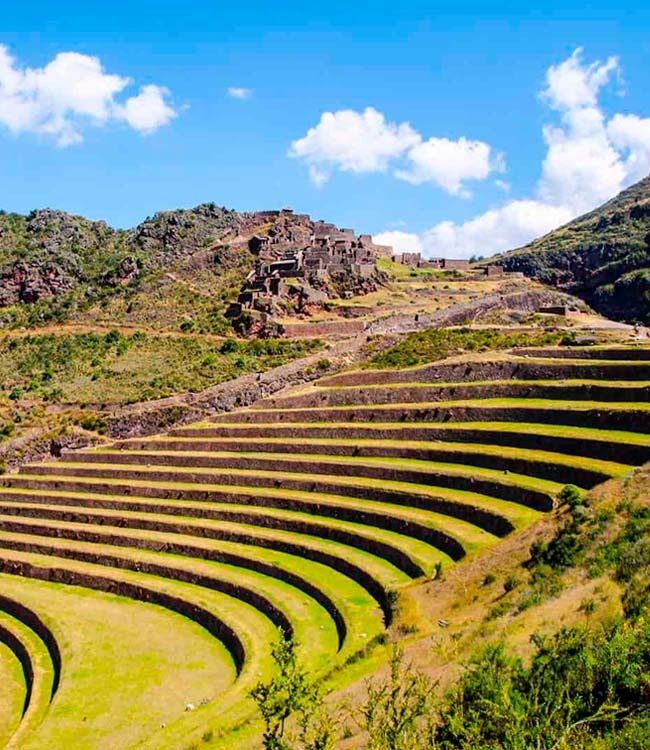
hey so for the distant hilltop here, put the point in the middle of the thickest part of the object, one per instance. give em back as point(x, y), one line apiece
point(603, 256)
point(178, 268)
point(50, 253)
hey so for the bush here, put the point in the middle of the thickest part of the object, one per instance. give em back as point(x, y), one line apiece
point(570, 495)
point(578, 684)
point(398, 711)
point(229, 346)
point(511, 583)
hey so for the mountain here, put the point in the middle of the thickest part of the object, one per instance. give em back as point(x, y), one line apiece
point(602, 257)
point(177, 269)
point(49, 253)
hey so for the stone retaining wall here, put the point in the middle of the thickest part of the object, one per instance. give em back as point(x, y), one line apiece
point(194, 612)
point(622, 452)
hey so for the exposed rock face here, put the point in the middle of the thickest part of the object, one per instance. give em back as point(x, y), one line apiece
point(48, 253)
point(603, 257)
point(171, 236)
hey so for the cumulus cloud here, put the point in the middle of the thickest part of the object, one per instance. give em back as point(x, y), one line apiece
point(365, 142)
point(447, 163)
point(352, 142)
point(589, 159)
point(401, 242)
point(582, 166)
point(630, 135)
point(239, 92)
point(147, 111)
point(508, 226)
point(572, 84)
point(71, 92)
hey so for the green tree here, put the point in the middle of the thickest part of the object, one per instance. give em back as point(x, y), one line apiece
point(292, 692)
point(398, 711)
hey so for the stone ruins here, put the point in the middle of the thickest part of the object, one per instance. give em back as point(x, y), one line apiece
point(296, 257)
point(441, 264)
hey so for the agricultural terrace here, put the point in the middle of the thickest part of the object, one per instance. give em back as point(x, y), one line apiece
point(144, 581)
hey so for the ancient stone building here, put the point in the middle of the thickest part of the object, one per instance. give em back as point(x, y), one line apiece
point(294, 246)
point(441, 264)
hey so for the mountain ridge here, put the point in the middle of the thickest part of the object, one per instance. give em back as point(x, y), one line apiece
point(602, 257)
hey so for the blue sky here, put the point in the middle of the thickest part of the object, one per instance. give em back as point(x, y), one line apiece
point(436, 126)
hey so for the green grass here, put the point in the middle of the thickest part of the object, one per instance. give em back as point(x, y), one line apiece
point(492, 403)
point(420, 552)
point(567, 382)
point(13, 684)
point(95, 368)
point(57, 505)
point(351, 462)
point(424, 368)
point(307, 616)
point(131, 666)
point(434, 344)
point(407, 488)
point(610, 468)
point(550, 430)
point(43, 679)
point(468, 535)
point(386, 573)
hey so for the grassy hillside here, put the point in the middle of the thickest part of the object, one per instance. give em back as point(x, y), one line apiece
point(603, 257)
point(174, 267)
point(415, 506)
point(546, 641)
point(54, 383)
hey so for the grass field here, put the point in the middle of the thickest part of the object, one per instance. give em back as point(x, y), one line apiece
point(174, 558)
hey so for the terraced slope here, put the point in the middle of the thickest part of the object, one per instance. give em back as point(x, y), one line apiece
point(309, 511)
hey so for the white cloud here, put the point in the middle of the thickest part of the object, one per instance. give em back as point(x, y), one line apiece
point(447, 163)
point(572, 84)
point(71, 92)
point(239, 92)
point(630, 134)
point(582, 168)
point(147, 111)
point(589, 159)
point(365, 142)
point(401, 242)
point(352, 142)
point(508, 226)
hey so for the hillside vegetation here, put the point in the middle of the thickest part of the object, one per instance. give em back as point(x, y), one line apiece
point(603, 256)
point(175, 266)
point(51, 384)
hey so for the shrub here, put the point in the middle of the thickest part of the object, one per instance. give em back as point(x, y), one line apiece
point(398, 712)
point(511, 583)
point(229, 346)
point(291, 692)
point(92, 423)
point(570, 495)
point(579, 683)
